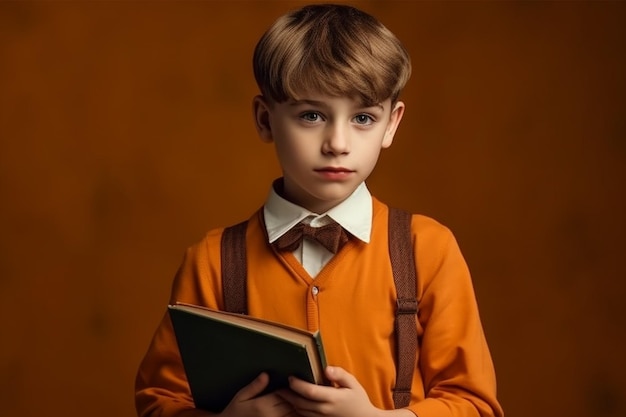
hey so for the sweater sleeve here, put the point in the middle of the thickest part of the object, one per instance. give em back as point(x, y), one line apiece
point(161, 387)
point(454, 359)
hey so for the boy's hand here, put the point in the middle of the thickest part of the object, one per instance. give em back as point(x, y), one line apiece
point(347, 399)
point(246, 403)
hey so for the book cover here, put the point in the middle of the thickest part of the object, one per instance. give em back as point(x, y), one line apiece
point(223, 352)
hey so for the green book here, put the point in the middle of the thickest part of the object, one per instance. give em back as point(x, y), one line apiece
point(223, 352)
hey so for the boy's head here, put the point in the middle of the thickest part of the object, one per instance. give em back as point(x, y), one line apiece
point(335, 50)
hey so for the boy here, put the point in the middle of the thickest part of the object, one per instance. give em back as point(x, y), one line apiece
point(330, 77)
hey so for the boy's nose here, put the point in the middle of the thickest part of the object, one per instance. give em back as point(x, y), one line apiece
point(337, 141)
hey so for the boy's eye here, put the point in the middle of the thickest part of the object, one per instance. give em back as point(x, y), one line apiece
point(363, 119)
point(310, 117)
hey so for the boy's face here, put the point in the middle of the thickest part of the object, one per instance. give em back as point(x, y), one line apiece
point(326, 146)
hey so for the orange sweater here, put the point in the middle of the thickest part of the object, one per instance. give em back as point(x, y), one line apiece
point(354, 309)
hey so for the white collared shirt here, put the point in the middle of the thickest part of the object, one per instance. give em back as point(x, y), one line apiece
point(354, 214)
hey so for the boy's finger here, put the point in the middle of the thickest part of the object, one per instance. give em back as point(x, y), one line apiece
point(340, 377)
point(286, 395)
point(254, 388)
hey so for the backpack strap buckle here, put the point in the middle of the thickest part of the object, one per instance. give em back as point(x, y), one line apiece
point(406, 306)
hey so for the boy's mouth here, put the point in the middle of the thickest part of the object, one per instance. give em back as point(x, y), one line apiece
point(335, 173)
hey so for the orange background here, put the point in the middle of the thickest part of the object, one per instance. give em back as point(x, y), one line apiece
point(126, 132)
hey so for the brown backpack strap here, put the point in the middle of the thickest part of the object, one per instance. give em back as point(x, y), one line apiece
point(405, 278)
point(234, 268)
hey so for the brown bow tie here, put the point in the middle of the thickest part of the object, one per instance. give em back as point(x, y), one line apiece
point(331, 236)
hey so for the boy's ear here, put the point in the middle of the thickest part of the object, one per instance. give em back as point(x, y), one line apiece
point(261, 112)
point(394, 121)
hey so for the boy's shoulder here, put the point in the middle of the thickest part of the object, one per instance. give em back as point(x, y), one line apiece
point(430, 237)
point(428, 225)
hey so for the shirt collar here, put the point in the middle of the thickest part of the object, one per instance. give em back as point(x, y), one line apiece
point(353, 214)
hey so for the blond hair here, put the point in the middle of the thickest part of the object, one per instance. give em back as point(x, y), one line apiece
point(336, 50)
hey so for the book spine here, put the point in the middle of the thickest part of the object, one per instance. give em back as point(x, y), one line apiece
point(320, 350)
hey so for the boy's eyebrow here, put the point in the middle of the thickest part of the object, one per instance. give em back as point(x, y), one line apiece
point(294, 103)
